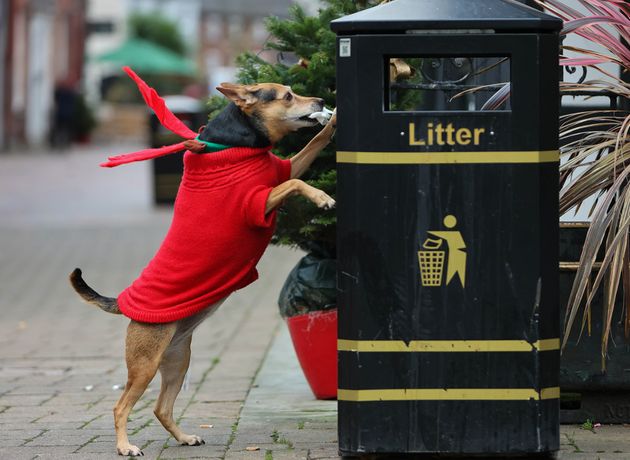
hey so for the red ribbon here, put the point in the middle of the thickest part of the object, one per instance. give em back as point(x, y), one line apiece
point(142, 155)
point(167, 119)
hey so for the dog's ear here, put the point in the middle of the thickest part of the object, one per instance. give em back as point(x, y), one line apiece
point(241, 95)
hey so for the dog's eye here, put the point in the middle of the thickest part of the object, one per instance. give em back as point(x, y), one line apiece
point(288, 97)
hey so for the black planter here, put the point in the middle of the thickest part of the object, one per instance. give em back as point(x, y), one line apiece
point(588, 392)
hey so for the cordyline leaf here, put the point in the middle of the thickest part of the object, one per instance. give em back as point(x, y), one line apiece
point(615, 250)
point(598, 34)
point(499, 98)
point(623, 135)
point(626, 292)
point(595, 158)
point(584, 61)
point(594, 32)
point(584, 131)
point(598, 7)
point(602, 8)
point(595, 143)
point(603, 86)
point(604, 221)
point(615, 247)
point(478, 88)
point(590, 53)
point(561, 10)
point(496, 100)
point(575, 24)
point(594, 238)
point(597, 178)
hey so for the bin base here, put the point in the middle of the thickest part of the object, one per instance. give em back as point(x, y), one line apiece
point(449, 428)
point(443, 456)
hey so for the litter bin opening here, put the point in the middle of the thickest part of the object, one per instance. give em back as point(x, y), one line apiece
point(446, 83)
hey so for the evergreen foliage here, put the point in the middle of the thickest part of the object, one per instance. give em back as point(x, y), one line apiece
point(306, 62)
point(157, 29)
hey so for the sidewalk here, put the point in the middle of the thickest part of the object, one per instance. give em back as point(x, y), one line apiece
point(61, 361)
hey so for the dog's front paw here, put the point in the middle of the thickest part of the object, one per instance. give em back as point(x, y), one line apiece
point(324, 201)
point(329, 203)
point(191, 440)
point(129, 451)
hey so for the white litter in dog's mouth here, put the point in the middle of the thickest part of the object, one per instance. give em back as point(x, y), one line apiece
point(322, 116)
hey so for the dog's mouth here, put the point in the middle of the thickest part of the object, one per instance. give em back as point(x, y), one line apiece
point(306, 119)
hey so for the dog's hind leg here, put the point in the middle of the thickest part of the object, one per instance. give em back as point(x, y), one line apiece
point(145, 346)
point(173, 369)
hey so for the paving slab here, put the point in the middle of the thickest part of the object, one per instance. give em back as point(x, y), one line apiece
point(279, 402)
point(61, 362)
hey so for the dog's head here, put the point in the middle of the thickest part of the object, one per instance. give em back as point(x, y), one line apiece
point(274, 108)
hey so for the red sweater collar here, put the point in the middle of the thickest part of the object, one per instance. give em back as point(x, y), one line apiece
point(203, 161)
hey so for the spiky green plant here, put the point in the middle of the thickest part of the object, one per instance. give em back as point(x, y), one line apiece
point(306, 62)
point(596, 159)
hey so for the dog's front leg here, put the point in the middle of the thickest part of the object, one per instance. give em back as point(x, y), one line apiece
point(297, 187)
point(302, 160)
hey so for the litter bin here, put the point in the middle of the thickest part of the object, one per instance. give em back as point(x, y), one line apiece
point(448, 228)
point(168, 170)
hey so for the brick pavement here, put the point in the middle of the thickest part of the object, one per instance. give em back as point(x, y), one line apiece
point(60, 360)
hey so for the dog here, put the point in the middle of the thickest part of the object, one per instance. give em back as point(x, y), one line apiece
point(257, 116)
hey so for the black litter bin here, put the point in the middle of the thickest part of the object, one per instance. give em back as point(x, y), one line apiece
point(448, 228)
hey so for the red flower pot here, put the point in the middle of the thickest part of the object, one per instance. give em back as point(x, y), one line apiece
point(314, 337)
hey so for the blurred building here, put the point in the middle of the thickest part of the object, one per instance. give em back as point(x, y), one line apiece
point(41, 42)
point(4, 66)
point(108, 24)
point(216, 31)
point(107, 29)
point(230, 27)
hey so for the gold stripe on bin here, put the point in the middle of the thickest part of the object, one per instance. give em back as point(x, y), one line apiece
point(442, 346)
point(533, 156)
point(449, 394)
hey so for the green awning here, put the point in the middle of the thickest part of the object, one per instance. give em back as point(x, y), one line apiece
point(147, 57)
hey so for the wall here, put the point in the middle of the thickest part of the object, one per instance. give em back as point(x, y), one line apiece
point(227, 29)
point(45, 40)
point(5, 62)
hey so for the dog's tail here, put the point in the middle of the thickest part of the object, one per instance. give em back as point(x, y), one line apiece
point(88, 294)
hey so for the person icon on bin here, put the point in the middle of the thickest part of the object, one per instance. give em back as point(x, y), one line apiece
point(456, 262)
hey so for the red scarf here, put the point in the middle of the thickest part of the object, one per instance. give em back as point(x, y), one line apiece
point(219, 229)
point(167, 119)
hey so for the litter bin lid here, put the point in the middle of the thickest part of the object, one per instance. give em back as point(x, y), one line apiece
point(403, 15)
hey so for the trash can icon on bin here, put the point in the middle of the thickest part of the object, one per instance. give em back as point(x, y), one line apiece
point(432, 258)
point(431, 261)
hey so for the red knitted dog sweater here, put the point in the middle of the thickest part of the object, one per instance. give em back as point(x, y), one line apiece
point(218, 234)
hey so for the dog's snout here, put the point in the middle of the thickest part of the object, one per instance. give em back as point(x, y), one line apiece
point(319, 102)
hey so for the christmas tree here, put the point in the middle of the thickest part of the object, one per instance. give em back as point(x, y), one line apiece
point(306, 62)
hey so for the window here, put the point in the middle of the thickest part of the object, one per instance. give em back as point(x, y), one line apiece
point(433, 83)
point(214, 27)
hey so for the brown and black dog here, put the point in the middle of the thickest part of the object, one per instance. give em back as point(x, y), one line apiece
point(258, 115)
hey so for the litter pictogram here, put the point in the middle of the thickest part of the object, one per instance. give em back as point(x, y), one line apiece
point(434, 255)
